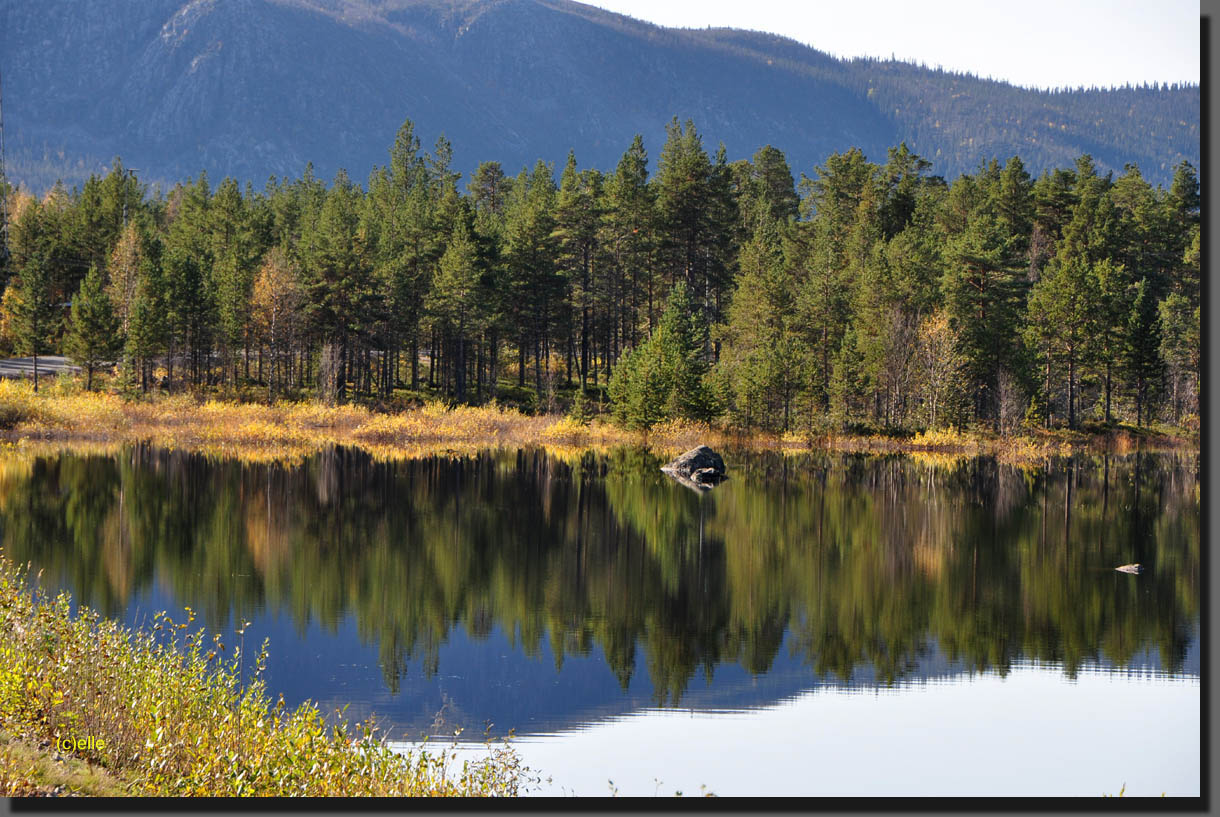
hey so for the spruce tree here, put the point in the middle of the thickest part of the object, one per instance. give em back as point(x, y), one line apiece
point(93, 335)
point(149, 327)
point(235, 252)
point(1142, 357)
point(762, 361)
point(36, 314)
point(191, 290)
point(663, 378)
point(455, 300)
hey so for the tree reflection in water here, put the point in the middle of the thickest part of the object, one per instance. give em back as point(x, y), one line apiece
point(859, 562)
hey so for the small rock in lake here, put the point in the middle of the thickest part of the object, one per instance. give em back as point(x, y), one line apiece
point(1136, 568)
point(700, 467)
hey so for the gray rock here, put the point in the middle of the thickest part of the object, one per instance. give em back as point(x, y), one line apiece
point(1135, 568)
point(700, 467)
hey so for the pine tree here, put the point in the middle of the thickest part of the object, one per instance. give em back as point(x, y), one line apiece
point(663, 378)
point(985, 294)
point(639, 388)
point(149, 327)
point(534, 287)
point(454, 302)
point(629, 218)
point(37, 315)
point(235, 252)
point(762, 363)
point(1180, 349)
point(93, 335)
point(577, 217)
point(401, 219)
point(191, 290)
point(1064, 307)
point(338, 282)
point(696, 217)
point(903, 180)
point(1142, 359)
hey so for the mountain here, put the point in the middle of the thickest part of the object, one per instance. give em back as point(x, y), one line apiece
point(251, 88)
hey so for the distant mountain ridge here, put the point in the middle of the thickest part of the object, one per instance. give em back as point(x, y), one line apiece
point(251, 88)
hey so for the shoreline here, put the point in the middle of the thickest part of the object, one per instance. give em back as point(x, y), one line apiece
point(173, 721)
point(290, 431)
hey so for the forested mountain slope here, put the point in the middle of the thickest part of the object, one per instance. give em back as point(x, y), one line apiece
point(251, 88)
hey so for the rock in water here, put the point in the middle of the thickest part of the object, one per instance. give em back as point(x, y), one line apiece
point(1136, 568)
point(701, 467)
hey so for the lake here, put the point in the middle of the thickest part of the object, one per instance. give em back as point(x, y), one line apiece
point(820, 624)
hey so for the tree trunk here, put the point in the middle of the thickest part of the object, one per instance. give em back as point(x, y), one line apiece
point(521, 363)
point(584, 338)
point(494, 352)
point(415, 360)
point(1047, 419)
point(478, 371)
point(538, 369)
point(571, 354)
point(1107, 392)
point(432, 359)
point(1071, 389)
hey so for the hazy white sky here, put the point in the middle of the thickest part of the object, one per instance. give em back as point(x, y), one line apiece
point(1034, 43)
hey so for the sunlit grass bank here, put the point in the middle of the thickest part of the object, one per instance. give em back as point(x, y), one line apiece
point(64, 413)
point(88, 706)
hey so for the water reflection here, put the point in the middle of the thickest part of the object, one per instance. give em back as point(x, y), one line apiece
point(804, 570)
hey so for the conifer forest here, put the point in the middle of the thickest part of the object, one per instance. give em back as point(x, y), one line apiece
point(865, 293)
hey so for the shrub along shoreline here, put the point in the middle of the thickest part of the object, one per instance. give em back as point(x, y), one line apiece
point(66, 416)
point(90, 707)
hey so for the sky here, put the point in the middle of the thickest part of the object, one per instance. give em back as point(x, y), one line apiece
point(1032, 43)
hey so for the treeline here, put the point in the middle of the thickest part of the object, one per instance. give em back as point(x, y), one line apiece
point(868, 294)
point(951, 116)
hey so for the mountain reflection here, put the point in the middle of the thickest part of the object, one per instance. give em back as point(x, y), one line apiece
point(857, 564)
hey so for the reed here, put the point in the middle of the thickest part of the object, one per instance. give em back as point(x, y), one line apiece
point(289, 431)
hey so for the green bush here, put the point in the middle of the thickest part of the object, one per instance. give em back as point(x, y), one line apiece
point(175, 719)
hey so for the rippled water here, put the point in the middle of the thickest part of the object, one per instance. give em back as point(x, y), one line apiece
point(816, 625)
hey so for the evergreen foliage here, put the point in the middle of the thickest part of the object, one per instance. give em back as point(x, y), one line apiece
point(93, 338)
point(663, 378)
point(877, 296)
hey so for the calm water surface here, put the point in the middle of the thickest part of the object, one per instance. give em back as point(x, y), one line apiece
point(821, 625)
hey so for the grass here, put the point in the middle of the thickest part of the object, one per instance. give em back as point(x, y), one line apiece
point(169, 714)
point(289, 430)
point(941, 446)
point(28, 770)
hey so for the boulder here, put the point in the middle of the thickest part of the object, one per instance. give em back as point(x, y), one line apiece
point(701, 467)
point(1135, 568)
